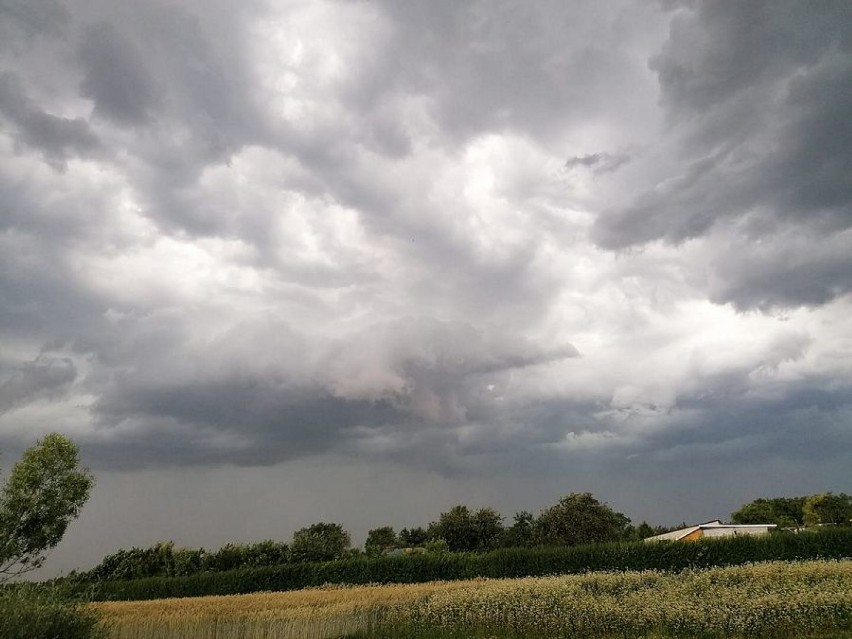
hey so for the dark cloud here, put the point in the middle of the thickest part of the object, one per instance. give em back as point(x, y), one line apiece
point(116, 78)
point(57, 137)
point(41, 378)
point(756, 95)
point(797, 268)
point(598, 162)
point(405, 383)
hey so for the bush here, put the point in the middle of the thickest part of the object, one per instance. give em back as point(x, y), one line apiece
point(833, 543)
point(37, 612)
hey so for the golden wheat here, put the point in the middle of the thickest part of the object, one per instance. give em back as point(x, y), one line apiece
point(750, 600)
point(331, 611)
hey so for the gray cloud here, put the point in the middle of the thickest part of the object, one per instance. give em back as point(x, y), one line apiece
point(500, 248)
point(115, 77)
point(386, 383)
point(57, 137)
point(42, 18)
point(38, 379)
point(598, 162)
point(756, 100)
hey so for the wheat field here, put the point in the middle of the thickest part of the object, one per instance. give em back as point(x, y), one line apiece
point(773, 599)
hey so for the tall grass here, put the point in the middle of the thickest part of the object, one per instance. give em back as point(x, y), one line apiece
point(764, 600)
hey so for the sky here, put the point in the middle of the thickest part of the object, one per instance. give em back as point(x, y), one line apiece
point(270, 263)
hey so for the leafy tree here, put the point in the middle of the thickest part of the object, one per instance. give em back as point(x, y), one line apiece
point(188, 561)
point(520, 533)
point(266, 553)
point(319, 542)
point(379, 540)
point(466, 531)
point(782, 511)
point(579, 518)
point(759, 511)
point(644, 530)
point(827, 508)
point(413, 537)
point(44, 492)
point(489, 528)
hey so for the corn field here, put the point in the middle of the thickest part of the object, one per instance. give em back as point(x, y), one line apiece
point(772, 600)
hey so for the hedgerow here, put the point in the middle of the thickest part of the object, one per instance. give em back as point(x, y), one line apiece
point(833, 543)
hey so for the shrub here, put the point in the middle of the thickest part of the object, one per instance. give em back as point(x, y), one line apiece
point(33, 612)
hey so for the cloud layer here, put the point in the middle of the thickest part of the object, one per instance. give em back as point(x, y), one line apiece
point(462, 238)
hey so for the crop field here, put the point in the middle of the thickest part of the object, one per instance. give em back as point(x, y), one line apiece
point(771, 600)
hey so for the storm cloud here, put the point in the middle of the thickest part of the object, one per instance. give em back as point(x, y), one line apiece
point(503, 249)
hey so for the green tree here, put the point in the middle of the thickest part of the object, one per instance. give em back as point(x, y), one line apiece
point(520, 533)
point(643, 531)
point(468, 531)
point(782, 511)
point(413, 537)
point(44, 492)
point(579, 518)
point(379, 540)
point(267, 553)
point(759, 511)
point(319, 542)
point(828, 508)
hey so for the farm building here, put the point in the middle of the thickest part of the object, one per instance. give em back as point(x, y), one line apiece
point(712, 529)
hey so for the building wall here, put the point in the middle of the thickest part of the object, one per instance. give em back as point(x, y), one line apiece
point(730, 532)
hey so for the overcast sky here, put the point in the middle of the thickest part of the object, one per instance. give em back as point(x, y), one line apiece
point(271, 263)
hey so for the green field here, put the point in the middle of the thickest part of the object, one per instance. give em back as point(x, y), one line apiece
point(778, 599)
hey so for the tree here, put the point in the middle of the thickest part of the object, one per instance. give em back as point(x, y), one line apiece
point(520, 533)
point(827, 508)
point(413, 537)
point(319, 542)
point(379, 540)
point(466, 531)
point(44, 492)
point(579, 518)
point(782, 511)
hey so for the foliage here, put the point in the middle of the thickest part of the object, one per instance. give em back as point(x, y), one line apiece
point(44, 492)
point(164, 560)
point(827, 508)
point(520, 533)
point(833, 542)
point(466, 531)
point(31, 612)
point(379, 540)
point(644, 530)
point(786, 512)
point(319, 542)
point(413, 537)
point(579, 518)
point(437, 546)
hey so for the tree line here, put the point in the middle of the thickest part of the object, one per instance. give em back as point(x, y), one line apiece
point(576, 519)
point(48, 487)
point(796, 512)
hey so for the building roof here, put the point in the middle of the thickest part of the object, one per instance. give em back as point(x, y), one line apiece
point(674, 535)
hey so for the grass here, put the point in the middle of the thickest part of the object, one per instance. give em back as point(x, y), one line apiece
point(806, 599)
